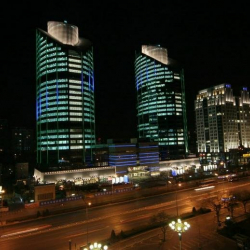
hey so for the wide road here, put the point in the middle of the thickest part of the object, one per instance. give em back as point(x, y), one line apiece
point(96, 223)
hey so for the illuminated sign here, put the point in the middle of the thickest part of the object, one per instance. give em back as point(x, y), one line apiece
point(246, 155)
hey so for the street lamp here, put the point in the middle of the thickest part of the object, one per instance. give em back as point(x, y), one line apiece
point(87, 217)
point(1, 193)
point(96, 246)
point(179, 227)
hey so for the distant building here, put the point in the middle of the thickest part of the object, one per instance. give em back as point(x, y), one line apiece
point(44, 192)
point(222, 123)
point(122, 154)
point(65, 104)
point(21, 171)
point(4, 140)
point(22, 143)
point(125, 154)
point(243, 117)
point(161, 104)
point(78, 176)
point(239, 157)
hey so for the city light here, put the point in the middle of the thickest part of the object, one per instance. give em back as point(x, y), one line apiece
point(96, 246)
point(1, 195)
point(179, 227)
point(87, 217)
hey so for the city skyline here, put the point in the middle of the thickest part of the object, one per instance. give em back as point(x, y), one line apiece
point(212, 46)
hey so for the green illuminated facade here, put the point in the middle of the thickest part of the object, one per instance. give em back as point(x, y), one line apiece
point(161, 105)
point(65, 105)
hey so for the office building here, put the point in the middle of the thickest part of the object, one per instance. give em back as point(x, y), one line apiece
point(222, 123)
point(65, 105)
point(243, 116)
point(22, 144)
point(122, 154)
point(161, 105)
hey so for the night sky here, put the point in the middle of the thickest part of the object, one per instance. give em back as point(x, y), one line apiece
point(211, 42)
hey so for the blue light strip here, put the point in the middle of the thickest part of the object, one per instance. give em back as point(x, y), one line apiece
point(121, 172)
point(149, 157)
point(125, 164)
point(40, 101)
point(120, 146)
point(151, 153)
point(37, 115)
point(82, 82)
point(57, 92)
point(46, 98)
point(148, 162)
point(89, 79)
point(122, 156)
point(113, 161)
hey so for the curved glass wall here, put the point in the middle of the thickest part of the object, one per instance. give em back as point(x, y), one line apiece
point(161, 105)
point(65, 106)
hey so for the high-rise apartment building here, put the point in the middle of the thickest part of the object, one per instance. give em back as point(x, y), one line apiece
point(222, 121)
point(161, 104)
point(65, 105)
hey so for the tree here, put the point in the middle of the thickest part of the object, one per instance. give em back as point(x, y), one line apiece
point(113, 236)
point(243, 197)
point(162, 219)
point(216, 204)
point(122, 235)
point(232, 204)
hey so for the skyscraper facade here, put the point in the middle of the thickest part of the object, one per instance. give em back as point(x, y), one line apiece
point(161, 104)
point(65, 105)
point(222, 121)
point(243, 113)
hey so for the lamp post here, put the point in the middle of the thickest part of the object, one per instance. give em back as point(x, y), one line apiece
point(96, 246)
point(87, 217)
point(1, 193)
point(179, 227)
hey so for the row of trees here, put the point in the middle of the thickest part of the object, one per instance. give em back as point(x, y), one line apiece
point(229, 202)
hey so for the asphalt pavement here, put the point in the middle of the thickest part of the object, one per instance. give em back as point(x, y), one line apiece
point(201, 235)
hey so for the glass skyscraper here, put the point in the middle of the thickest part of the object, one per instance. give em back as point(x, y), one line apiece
point(161, 105)
point(65, 105)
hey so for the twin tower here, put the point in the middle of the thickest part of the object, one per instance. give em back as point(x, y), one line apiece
point(65, 104)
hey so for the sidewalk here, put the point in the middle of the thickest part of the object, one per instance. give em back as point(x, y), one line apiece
point(201, 235)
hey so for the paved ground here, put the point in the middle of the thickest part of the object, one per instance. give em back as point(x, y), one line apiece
point(201, 235)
